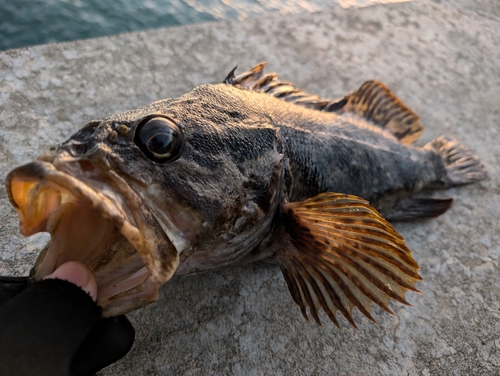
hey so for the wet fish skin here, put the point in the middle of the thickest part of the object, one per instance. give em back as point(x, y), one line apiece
point(325, 152)
point(231, 134)
point(253, 177)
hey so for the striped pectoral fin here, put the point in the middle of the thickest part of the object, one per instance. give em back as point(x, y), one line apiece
point(374, 102)
point(340, 253)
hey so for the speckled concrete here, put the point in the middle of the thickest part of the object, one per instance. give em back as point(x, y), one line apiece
point(442, 58)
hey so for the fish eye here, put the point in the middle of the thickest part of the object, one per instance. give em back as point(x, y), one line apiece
point(160, 139)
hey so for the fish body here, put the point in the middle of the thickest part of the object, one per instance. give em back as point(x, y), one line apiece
point(249, 169)
point(326, 151)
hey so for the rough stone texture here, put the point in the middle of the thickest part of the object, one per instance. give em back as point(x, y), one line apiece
point(443, 59)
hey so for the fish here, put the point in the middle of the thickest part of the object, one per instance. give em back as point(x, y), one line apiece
point(249, 169)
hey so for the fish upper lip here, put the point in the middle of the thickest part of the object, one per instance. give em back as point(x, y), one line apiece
point(38, 189)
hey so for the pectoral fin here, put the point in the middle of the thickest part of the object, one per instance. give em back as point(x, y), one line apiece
point(340, 253)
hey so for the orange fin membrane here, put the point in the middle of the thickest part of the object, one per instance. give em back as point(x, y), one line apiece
point(373, 101)
point(341, 253)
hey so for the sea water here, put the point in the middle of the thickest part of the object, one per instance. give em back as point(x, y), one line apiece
point(30, 22)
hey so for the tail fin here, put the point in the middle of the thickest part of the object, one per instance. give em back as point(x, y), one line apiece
point(462, 165)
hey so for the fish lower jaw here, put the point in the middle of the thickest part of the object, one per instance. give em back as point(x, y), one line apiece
point(85, 229)
point(121, 275)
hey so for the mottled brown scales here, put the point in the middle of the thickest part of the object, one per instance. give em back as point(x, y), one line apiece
point(250, 169)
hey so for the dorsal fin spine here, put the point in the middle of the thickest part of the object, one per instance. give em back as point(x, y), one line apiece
point(372, 101)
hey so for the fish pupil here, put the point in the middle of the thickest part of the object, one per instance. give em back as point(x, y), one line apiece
point(160, 144)
point(159, 138)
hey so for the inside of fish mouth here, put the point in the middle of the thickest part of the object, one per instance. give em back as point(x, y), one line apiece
point(81, 233)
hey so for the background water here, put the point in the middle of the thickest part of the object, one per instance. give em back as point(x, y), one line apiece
point(30, 22)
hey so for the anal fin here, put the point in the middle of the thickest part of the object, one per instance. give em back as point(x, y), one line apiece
point(339, 253)
point(374, 102)
point(413, 208)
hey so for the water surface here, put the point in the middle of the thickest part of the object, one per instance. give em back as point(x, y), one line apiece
point(30, 22)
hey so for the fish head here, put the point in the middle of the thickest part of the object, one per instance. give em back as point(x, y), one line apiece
point(136, 194)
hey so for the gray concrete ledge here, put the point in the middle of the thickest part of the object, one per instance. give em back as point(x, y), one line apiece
point(442, 59)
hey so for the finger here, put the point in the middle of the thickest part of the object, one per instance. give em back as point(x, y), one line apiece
point(78, 274)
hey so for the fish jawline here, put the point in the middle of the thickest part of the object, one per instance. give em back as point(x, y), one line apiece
point(91, 228)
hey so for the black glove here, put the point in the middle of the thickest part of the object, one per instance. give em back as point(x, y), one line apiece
point(54, 328)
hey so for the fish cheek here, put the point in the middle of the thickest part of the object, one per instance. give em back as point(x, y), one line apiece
point(132, 163)
point(177, 216)
point(259, 189)
point(264, 190)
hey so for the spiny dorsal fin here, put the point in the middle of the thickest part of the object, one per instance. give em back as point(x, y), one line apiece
point(341, 253)
point(372, 101)
point(255, 80)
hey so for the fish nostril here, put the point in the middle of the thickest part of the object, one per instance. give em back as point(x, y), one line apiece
point(75, 149)
point(79, 149)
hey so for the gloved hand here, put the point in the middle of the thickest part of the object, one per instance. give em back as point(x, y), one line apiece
point(54, 327)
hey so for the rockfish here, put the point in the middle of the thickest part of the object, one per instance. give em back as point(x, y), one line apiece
point(249, 169)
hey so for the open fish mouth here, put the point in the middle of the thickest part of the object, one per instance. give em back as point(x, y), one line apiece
point(100, 223)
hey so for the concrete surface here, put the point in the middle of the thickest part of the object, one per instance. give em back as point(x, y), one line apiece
point(442, 58)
